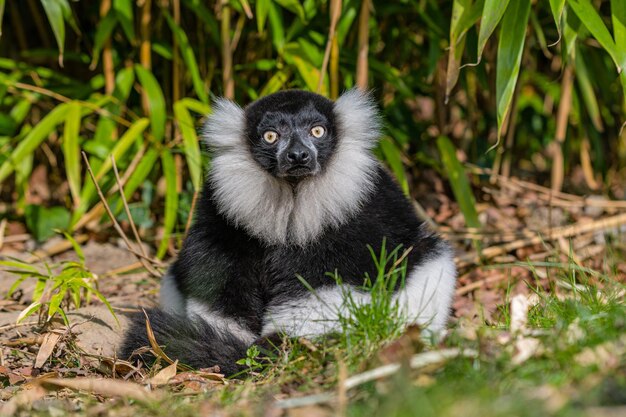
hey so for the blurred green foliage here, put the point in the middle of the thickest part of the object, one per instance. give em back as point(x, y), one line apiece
point(539, 83)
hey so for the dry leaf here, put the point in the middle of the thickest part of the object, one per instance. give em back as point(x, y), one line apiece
point(47, 346)
point(164, 375)
point(101, 386)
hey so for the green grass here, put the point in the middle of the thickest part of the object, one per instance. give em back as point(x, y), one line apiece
point(579, 368)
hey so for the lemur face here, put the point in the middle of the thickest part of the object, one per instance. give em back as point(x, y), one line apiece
point(291, 134)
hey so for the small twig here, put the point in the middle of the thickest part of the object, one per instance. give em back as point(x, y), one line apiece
point(146, 265)
point(478, 284)
point(116, 225)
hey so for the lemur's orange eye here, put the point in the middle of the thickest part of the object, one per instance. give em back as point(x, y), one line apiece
point(318, 131)
point(270, 136)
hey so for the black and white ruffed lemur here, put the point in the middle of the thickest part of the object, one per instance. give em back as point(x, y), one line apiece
point(293, 190)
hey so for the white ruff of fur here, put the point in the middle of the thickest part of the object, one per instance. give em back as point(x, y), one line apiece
point(267, 207)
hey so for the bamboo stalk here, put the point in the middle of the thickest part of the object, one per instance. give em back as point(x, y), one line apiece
point(175, 55)
point(107, 54)
point(556, 147)
point(145, 52)
point(227, 53)
point(362, 62)
point(335, 12)
point(18, 29)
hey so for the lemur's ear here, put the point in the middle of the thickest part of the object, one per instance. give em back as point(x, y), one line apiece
point(225, 126)
point(358, 117)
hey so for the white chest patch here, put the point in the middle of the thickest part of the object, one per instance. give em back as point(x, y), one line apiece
point(269, 208)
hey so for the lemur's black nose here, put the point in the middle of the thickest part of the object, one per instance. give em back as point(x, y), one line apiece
point(298, 156)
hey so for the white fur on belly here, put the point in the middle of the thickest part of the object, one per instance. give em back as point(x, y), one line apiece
point(424, 300)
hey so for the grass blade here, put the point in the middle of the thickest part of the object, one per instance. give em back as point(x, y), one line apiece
point(459, 182)
point(171, 201)
point(510, 48)
point(2, 2)
point(492, 14)
point(33, 139)
point(103, 32)
point(124, 11)
point(140, 174)
point(593, 22)
point(557, 12)
point(586, 90)
point(156, 101)
point(190, 141)
point(393, 156)
point(71, 149)
point(54, 12)
point(189, 58)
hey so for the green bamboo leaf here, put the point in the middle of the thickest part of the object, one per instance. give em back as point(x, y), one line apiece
point(144, 168)
point(458, 181)
point(171, 200)
point(54, 12)
point(464, 15)
point(275, 83)
point(188, 57)
point(124, 11)
point(207, 17)
point(393, 156)
point(122, 145)
point(293, 6)
point(557, 12)
point(586, 89)
point(155, 98)
point(196, 106)
point(103, 32)
point(618, 16)
point(262, 9)
point(71, 149)
point(492, 14)
point(77, 249)
point(277, 26)
point(593, 22)
point(33, 139)
point(570, 32)
point(190, 142)
point(510, 48)
point(28, 311)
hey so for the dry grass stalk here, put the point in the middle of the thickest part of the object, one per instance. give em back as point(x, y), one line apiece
point(116, 225)
point(143, 261)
